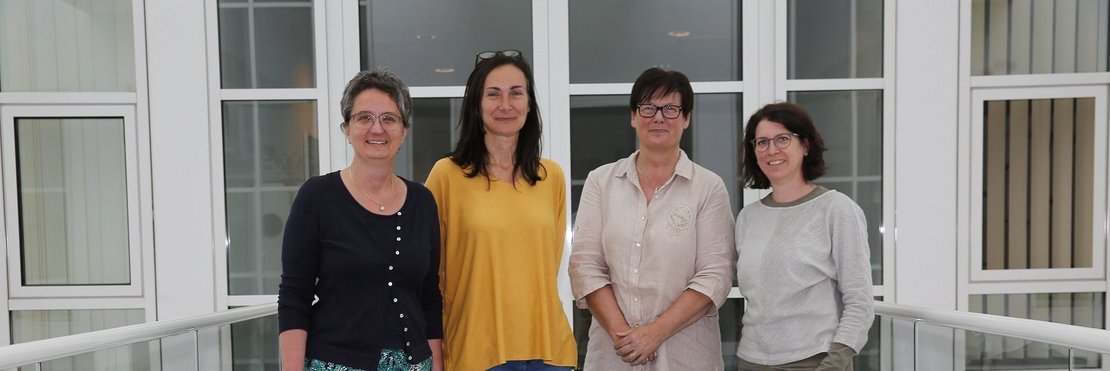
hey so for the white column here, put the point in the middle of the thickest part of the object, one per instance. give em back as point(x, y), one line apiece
point(181, 156)
point(927, 99)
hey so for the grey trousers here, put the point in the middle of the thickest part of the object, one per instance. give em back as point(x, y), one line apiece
point(839, 358)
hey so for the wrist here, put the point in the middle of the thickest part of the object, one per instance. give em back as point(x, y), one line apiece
point(615, 329)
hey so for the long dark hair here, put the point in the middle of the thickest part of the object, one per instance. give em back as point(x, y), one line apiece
point(470, 152)
point(794, 118)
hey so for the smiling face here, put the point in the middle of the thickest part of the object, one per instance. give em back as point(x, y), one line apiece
point(780, 165)
point(658, 132)
point(374, 142)
point(505, 101)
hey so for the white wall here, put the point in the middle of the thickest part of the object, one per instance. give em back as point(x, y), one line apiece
point(181, 169)
point(927, 97)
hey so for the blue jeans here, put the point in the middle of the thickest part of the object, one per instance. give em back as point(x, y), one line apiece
point(530, 365)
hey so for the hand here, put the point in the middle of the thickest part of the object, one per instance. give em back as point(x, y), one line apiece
point(839, 358)
point(638, 345)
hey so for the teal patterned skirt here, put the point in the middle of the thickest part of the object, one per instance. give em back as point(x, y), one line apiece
point(390, 360)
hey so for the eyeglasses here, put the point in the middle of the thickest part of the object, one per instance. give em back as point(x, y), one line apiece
point(648, 110)
point(388, 121)
point(781, 141)
point(508, 53)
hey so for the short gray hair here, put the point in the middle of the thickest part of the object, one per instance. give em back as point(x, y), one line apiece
point(380, 79)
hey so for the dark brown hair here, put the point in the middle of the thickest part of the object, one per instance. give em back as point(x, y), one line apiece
point(797, 120)
point(470, 152)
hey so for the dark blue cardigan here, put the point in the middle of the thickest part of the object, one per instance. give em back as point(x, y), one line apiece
point(377, 277)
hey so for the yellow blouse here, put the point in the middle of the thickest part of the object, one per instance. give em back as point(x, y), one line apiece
point(500, 256)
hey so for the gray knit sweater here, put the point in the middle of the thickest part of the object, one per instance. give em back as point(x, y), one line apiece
point(804, 268)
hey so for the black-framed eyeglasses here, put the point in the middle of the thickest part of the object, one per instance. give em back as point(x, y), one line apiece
point(649, 110)
point(782, 141)
point(508, 53)
point(388, 121)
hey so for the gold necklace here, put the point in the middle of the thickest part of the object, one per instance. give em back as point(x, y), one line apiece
point(381, 205)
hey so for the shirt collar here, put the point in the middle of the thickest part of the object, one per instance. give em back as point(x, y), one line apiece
point(684, 168)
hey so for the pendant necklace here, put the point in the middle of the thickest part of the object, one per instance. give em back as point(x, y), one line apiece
point(381, 205)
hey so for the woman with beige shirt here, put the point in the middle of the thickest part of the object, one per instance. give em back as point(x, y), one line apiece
point(652, 249)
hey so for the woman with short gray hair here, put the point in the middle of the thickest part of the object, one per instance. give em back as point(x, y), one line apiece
point(365, 242)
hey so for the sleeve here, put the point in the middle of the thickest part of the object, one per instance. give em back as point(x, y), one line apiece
point(431, 299)
point(852, 257)
point(716, 257)
point(588, 269)
point(300, 258)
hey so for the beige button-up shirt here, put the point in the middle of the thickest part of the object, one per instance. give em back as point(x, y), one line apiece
point(650, 253)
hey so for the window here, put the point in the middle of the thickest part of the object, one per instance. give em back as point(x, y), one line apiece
point(270, 149)
point(273, 131)
point(1039, 159)
point(1038, 185)
point(266, 45)
point(66, 46)
point(73, 182)
point(700, 38)
point(1036, 151)
point(1038, 36)
point(433, 43)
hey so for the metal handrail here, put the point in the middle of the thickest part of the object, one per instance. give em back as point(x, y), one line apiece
point(21, 354)
point(1077, 337)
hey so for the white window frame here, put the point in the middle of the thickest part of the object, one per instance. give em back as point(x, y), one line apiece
point(136, 247)
point(327, 131)
point(974, 155)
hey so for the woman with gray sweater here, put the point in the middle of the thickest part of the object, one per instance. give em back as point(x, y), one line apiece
point(803, 262)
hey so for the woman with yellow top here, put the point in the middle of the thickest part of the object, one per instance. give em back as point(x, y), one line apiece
point(502, 214)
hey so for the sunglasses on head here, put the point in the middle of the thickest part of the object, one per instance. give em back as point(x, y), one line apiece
point(510, 53)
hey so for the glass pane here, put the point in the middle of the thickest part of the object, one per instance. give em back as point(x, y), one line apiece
point(600, 133)
point(432, 42)
point(851, 123)
point(30, 325)
point(431, 135)
point(1038, 36)
point(869, 197)
point(731, 314)
point(870, 357)
point(718, 119)
point(991, 352)
point(73, 201)
point(270, 149)
point(254, 345)
point(829, 39)
point(266, 45)
point(68, 46)
point(1038, 179)
point(613, 41)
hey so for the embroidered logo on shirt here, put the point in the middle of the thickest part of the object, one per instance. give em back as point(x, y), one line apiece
point(680, 218)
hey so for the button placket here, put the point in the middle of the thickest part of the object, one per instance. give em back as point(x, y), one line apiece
point(637, 254)
point(389, 283)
